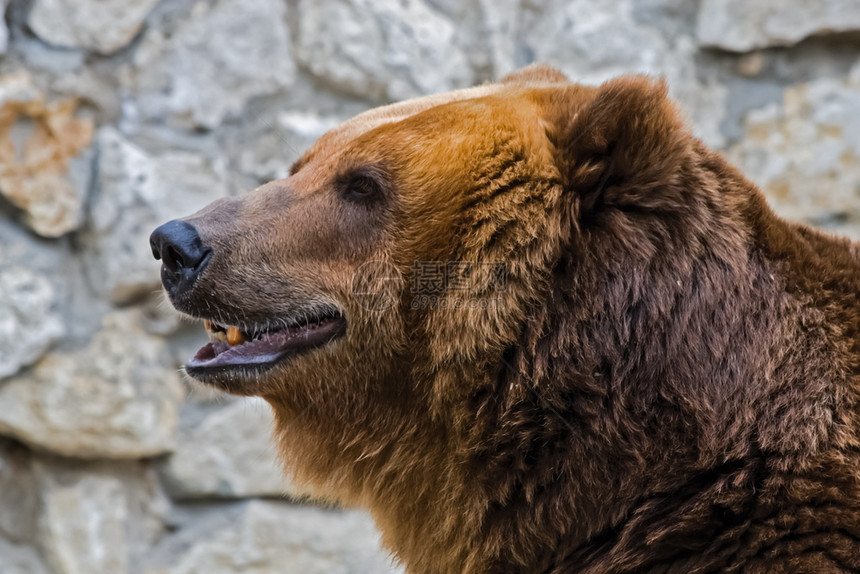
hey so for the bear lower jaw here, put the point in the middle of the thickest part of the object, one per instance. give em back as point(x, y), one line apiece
point(254, 355)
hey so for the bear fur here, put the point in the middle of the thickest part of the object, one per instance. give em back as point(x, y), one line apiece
point(668, 381)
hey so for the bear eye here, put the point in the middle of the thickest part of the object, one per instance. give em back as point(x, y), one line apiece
point(363, 185)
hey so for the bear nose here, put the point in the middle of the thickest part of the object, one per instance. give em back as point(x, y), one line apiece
point(182, 254)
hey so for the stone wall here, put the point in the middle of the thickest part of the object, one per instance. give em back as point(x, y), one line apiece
point(116, 115)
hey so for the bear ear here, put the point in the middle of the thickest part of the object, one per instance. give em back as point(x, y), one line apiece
point(535, 74)
point(623, 145)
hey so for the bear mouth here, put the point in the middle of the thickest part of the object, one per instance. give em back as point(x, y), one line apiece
point(256, 349)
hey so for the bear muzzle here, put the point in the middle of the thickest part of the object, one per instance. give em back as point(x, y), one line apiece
point(182, 253)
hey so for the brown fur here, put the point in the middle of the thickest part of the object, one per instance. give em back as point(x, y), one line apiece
point(669, 383)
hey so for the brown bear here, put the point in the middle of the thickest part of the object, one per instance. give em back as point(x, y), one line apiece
point(594, 347)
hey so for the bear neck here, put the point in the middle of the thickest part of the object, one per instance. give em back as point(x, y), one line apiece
point(684, 376)
point(653, 394)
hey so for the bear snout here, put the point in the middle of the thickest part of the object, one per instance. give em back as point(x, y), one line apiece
point(183, 255)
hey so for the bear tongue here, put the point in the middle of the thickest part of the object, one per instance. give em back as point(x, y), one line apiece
point(211, 350)
point(268, 347)
point(220, 353)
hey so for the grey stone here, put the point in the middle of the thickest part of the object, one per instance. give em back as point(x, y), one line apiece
point(213, 63)
point(101, 25)
point(18, 87)
point(673, 18)
point(116, 398)
point(159, 318)
point(486, 32)
point(40, 57)
point(18, 495)
point(805, 151)
point(35, 55)
point(744, 96)
point(53, 203)
point(70, 306)
point(29, 322)
point(97, 86)
point(44, 159)
point(136, 192)
point(98, 518)
point(741, 25)
point(267, 152)
point(498, 28)
point(4, 31)
point(20, 559)
point(260, 537)
point(228, 452)
point(380, 50)
point(19, 248)
point(594, 41)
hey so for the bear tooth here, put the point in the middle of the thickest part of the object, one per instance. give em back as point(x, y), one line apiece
point(207, 324)
point(234, 336)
